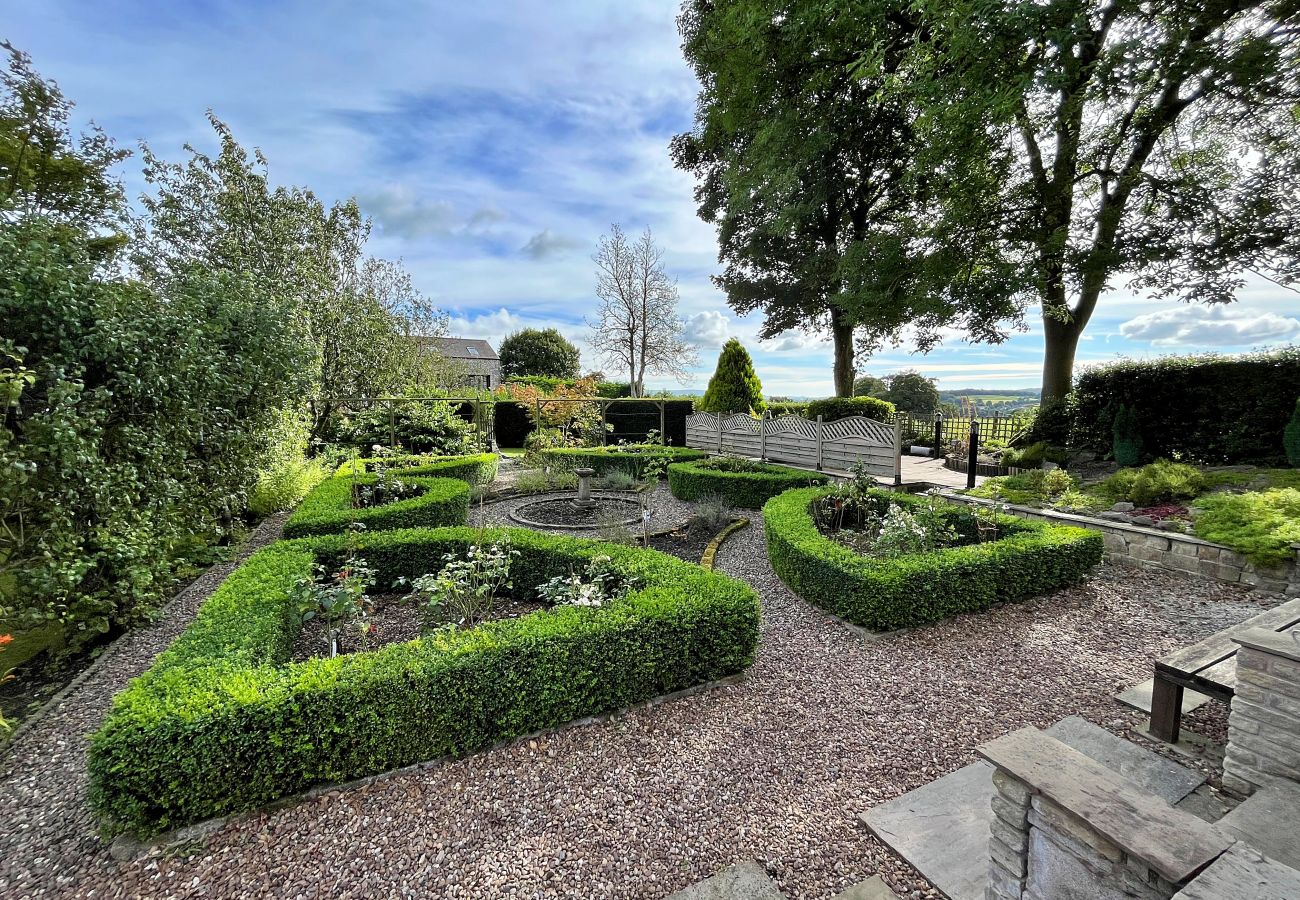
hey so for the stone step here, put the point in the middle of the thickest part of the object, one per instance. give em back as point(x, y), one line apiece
point(874, 888)
point(1139, 697)
point(942, 829)
point(1269, 821)
point(1243, 874)
point(745, 880)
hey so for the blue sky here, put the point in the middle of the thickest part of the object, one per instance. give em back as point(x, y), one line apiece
point(493, 143)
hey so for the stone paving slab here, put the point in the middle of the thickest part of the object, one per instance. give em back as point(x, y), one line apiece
point(1269, 821)
point(1139, 697)
point(1243, 874)
point(942, 829)
point(874, 888)
point(745, 880)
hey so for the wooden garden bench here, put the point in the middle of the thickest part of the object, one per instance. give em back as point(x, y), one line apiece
point(1209, 667)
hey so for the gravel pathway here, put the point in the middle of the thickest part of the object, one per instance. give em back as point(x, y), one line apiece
point(777, 767)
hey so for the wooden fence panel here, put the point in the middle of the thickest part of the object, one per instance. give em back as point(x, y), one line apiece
point(825, 446)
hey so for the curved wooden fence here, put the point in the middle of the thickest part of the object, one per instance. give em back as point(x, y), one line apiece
point(833, 447)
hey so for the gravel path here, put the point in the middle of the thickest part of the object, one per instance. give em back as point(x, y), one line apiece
point(777, 767)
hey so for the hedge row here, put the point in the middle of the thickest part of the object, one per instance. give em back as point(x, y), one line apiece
point(695, 481)
point(630, 459)
point(478, 470)
point(833, 408)
point(1209, 409)
point(223, 721)
point(629, 420)
point(1031, 558)
point(328, 508)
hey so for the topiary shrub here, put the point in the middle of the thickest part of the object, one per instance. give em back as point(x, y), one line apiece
point(328, 508)
point(631, 458)
point(885, 593)
point(1126, 444)
point(477, 470)
point(1291, 437)
point(223, 721)
point(749, 488)
point(734, 388)
point(833, 408)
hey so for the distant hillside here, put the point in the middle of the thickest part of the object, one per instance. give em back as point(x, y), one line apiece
point(992, 400)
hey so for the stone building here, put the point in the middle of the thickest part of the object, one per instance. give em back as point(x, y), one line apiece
point(471, 363)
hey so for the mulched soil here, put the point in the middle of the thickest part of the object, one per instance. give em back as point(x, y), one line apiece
point(777, 767)
point(561, 511)
point(687, 542)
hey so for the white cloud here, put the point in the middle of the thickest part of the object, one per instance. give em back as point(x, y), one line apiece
point(491, 327)
point(708, 329)
point(546, 244)
point(792, 340)
point(1214, 326)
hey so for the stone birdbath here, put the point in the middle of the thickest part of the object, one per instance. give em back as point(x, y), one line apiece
point(583, 500)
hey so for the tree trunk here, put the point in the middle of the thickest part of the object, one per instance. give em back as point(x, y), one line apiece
point(1061, 339)
point(842, 335)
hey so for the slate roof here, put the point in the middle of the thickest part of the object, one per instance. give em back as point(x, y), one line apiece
point(462, 348)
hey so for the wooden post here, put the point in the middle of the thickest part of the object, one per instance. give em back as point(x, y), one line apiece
point(1166, 709)
point(762, 438)
point(898, 450)
point(973, 453)
point(663, 425)
point(719, 417)
point(392, 426)
point(819, 443)
point(604, 433)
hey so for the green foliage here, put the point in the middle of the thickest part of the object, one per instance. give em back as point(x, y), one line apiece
point(870, 386)
point(286, 474)
point(549, 385)
point(329, 508)
point(1291, 437)
point(223, 721)
point(431, 427)
point(787, 408)
point(912, 392)
point(538, 351)
point(833, 408)
point(1029, 558)
point(734, 388)
point(1022, 489)
point(748, 488)
point(137, 421)
point(1261, 525)
point(1156, 482)
point(1126, 436)
point(633, 458)
point(1210, 409)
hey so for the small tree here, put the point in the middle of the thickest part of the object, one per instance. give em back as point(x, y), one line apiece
point(637, 327)
point(869, 386)
point(538, 351)
point(1291, 437)
point(912, 392)
point(1126, 436)
point(734, 387)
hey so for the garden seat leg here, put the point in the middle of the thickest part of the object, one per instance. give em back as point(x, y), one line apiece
point(1166, 709)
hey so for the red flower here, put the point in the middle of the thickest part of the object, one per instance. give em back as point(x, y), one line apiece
point(6, 639)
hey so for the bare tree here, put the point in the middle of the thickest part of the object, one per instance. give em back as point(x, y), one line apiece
point(637, 327)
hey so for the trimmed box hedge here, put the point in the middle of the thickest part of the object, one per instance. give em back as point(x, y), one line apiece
point(328, 508)
point(1030, 558)
point(697, 480)
point(478, 470)
point(629, 458)
point(223, 721)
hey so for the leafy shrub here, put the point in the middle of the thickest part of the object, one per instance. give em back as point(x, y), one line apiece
point(1057, 482)
point(1023, 488)
point(634, 458)
point(1291, 437)
point(1126, 436)
point(833, 408)
point(538, 351)
point(223, 721)
point(540, 481)
point(1261, 525)
point(285, 485)
point(619, 480)
point(775, 409)
point(420, 427)
point(477, 469)
point(329, 508)
point(746, 487)
point(1030, 558)
point(713, 511)
point(1156, 482)
point(1030, 457)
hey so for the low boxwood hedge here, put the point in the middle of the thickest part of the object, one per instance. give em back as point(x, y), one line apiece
point(223, 721)
point(629, 458)
point(1030, 558)
point(328, 508)
point(697, 480)
point(478, 470)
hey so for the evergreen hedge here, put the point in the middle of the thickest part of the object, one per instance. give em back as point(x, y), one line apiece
point(328, 508)
point(477, 470)
point(223, 721)
point(833, 408)
point(1031, 558)
point(629, 458)
point(695, 481)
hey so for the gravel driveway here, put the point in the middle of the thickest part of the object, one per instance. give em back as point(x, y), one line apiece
point(777, 767)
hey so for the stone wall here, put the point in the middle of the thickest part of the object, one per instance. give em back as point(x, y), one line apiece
point(1167, 551)
point(1264, 722)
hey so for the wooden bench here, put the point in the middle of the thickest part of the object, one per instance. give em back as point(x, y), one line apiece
point(1209, 667)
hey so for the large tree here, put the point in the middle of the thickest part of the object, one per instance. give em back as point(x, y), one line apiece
point(1079, 142)
point(637, 327)
point(538, 351)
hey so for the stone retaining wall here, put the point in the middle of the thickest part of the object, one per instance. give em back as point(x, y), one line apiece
point(1264, 723)
point(1166, 550)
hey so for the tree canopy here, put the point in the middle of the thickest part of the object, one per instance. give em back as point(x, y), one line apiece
point(538, 351)
point(910, 391)
point(734, 387)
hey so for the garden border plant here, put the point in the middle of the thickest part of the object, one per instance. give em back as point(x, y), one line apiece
point(748, 489)
point(223, 721)
point(629, 457)
point(328, 508)
point(478, 469)
point(1030, 558)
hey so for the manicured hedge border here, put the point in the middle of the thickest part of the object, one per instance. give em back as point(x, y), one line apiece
point(694, 481)
point(478, 470)
point(1033, 558)
point(604, 459)
point(222, 722)
point(328, 508)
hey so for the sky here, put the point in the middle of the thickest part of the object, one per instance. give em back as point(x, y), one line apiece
point(493, 144)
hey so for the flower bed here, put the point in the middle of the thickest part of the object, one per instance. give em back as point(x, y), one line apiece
point(329, 508)
point(223, 721)
point(478, 470)
point(1026, 559)
point(632, 458)
point(740, 483)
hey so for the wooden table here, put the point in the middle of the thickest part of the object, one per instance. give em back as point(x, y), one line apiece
point(1209, 667)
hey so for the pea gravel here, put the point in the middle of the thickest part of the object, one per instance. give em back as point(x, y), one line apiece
point(776, 767)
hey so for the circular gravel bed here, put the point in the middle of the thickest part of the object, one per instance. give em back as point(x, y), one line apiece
point(666, 511)
point(560, 512)
point(777, 767)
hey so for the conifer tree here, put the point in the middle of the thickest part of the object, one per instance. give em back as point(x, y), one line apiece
point(734, 387)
